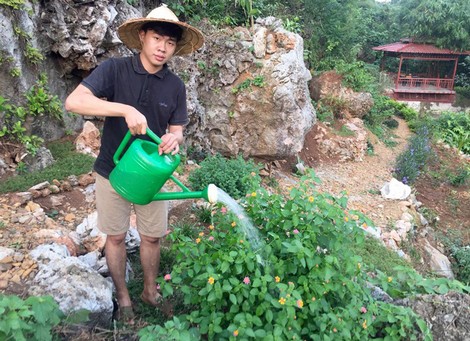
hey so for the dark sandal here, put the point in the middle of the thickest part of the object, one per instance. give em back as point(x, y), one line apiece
point(125, 315)
point(157, 302)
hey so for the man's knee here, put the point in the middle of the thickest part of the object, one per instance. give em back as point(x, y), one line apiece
point(150, 240)
point(116, 240)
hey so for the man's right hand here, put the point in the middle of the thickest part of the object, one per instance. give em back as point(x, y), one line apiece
point(136, 122)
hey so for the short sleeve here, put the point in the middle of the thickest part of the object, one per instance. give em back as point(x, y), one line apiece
point(101, 80)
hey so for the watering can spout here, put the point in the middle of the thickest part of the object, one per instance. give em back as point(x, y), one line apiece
point(211, 193)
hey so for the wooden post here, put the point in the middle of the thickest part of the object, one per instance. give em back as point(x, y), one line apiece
point(456, 61)
point(399, 72)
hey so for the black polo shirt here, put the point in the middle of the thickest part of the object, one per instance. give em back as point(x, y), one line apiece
point(161, 97)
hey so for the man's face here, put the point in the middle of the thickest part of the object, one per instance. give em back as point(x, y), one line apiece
point(156, 50)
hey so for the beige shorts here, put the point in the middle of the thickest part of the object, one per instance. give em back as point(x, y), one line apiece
point(114, 212)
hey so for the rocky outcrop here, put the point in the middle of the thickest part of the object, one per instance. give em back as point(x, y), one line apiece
point(248, 91)
point(328, 85)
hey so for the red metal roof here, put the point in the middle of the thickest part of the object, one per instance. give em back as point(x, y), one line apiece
point(413, 48)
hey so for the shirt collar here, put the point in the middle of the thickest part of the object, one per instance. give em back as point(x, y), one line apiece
point(139, 68)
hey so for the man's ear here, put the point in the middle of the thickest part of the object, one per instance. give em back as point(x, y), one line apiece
point(141, 36)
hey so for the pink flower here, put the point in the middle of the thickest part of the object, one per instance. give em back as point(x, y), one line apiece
point(211, 238)
point(246, 280)
point(223, 210)
point(158, 286)
point(296, 231)
point(167, 277)
point(363, 310)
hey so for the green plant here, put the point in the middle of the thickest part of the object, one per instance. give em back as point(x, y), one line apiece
point(297, 279)
point(15, 72)
point(454, 129)
point(15, 4)
point(39, 102)
point(234, 176)
point(30, 319)
point(32, 54)
point(462, 262)
point(293, 24)
point(410, 163)
point(259, 81)
point(42, 102)
point(201, 65)
point(460, 177)
point(173, 330)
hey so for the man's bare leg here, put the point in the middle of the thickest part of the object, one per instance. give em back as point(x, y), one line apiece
point(150, 260)
point(116, 258)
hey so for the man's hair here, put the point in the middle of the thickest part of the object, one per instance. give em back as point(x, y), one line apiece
point(164, 29)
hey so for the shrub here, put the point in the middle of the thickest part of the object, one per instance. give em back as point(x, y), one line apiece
point(462, 263)
point(31, 319)
point(410, 163)
point(232, 175)
point(454, 129)
point(303, 282)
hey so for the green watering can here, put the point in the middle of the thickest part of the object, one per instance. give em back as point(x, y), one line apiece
point(141, 173)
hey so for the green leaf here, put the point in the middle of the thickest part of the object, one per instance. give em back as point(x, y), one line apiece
point(269, 316)
point(233, 298)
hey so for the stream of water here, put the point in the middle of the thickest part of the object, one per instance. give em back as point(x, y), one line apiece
point(244, 222)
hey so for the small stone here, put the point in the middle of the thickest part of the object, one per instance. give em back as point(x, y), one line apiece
point(40, 186)
point(3, 284)
point(70, 217)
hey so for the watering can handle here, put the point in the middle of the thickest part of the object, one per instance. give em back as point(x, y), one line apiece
point(126, 139)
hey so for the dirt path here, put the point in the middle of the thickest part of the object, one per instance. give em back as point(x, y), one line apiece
point(363, 179)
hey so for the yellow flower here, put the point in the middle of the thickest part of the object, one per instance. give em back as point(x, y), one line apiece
point(253, 194)
point(389, 279)
point(313, 299)
point(235, 332)
point(277, 279)
point(300, 303)
point(234, 224)
point(359, 266)
point(211, 227)
point(201, 234)
point(198, 240)
point(364, 324)
point(311, 199)
point(241, 241)
point(346, 219)
point(282, 300)
point(211, 280)
point(364, 225)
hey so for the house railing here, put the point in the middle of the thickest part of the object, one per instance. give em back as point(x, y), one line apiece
point(425, 83)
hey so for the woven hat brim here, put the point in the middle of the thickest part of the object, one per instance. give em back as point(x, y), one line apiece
point(191, 40)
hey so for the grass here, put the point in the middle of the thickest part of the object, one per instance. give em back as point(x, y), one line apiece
point(68, 162)
point(379, 257)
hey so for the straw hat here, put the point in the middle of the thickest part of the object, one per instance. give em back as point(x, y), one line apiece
point(190, 41)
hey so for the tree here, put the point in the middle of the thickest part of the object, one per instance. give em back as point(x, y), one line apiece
point(445, 23)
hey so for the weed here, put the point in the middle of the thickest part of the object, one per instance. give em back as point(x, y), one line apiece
point(460, 177)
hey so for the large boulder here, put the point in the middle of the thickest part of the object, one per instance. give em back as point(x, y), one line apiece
point(248, 91)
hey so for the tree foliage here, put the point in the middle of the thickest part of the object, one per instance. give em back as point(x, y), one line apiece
point(444, 23)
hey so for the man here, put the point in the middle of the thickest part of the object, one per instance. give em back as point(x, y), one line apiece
point(134, 93)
